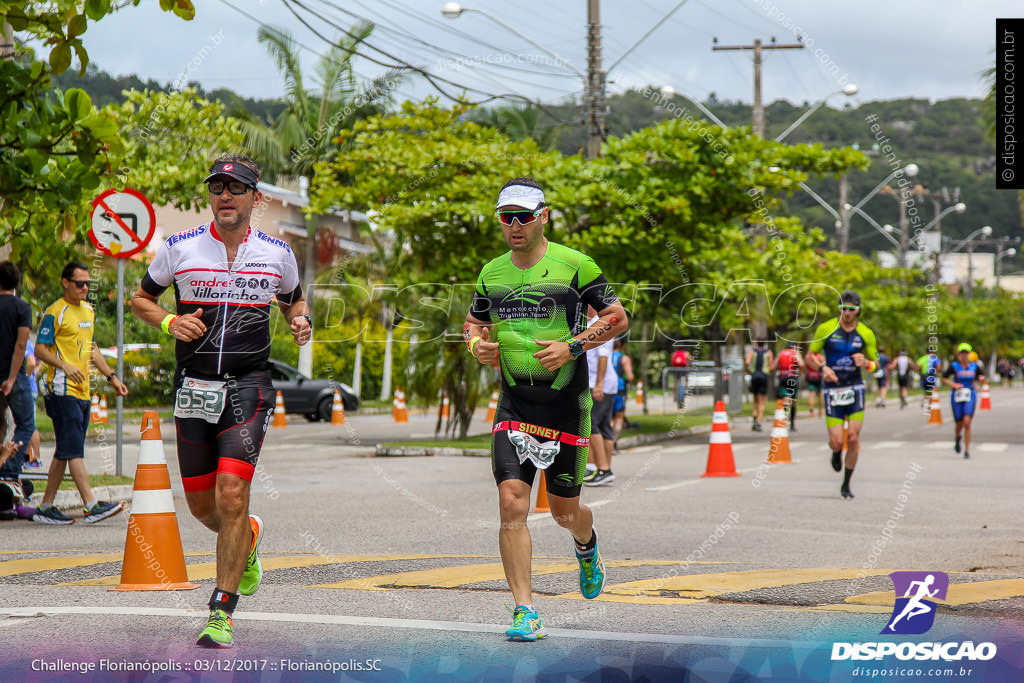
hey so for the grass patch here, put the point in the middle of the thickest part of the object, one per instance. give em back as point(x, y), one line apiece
point(99, 480)
point(660, 424)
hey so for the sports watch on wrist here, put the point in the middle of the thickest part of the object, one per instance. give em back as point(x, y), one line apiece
point(575, 347)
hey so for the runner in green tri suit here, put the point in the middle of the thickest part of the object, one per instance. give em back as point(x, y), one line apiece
point(533, 301)
point(849, 345)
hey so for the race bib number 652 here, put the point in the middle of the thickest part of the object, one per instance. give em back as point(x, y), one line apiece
point(200, 398)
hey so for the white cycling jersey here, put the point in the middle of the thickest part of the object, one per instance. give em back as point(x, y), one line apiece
point(235, 301)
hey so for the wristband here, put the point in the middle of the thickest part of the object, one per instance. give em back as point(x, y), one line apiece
point(308, 319)
point(871, 366)
point(473, 341)
point(166, 323)
point(111, 376)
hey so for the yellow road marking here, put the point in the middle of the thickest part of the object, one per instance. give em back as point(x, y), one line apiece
point(43, 564)
point(703, 586)
point(208, 570)
point(958, 594)
point(451, 577)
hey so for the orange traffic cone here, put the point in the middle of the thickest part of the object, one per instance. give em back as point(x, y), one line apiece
point(720, 460)
point(542, 496)
point(279, 419)
point(103, 410)
point(444, 406)
point(338, 409)
point(778, 451)
point(94, 410)
point(153, 557)
point(640, 393)
point(986, 399)
point(492, 407)
point(935, 416)
point(398, 410)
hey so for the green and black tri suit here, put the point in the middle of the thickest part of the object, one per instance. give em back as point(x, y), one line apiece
point(547, 302)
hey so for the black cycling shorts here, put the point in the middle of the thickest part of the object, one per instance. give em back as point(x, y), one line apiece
point(759, 384)
point(233, 444)
point(567, 416)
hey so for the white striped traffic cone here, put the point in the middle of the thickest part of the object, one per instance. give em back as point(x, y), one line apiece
point(399, 411)
point(153, 557)
point(103, 410)
point(338, 409)
point(720, 460)
point(279, 416)
point(778, 451)
point(492, 407)
point(94, 410)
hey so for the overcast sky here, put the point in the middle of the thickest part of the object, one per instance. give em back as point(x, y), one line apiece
point(908, 48)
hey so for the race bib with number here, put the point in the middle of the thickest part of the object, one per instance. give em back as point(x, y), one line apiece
point(541, 454)
point(200, 398)
point(842, 397)
point(963, 395)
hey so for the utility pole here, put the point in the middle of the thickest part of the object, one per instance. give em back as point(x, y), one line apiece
point(595, 82)
point(757, 47)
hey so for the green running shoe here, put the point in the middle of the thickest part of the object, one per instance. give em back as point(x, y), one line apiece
point(591, 574)
point(253, 573)
point(526, 625)
point(218, 631)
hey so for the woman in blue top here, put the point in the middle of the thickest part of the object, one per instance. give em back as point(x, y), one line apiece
point(965, 373)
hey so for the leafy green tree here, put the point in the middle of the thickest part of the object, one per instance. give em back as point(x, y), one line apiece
point(305, 133)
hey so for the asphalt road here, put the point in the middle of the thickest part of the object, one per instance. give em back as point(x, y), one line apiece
point(391, 564)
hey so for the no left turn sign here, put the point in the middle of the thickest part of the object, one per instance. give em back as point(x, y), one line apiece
point(122, 223)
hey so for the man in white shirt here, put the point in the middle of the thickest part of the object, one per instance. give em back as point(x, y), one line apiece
point(604, 384)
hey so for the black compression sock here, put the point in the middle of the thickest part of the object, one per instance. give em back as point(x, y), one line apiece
point(846, 476)
point(589, 545)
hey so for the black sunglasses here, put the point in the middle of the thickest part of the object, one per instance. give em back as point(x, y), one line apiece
point(234, 187)
point(81, 284)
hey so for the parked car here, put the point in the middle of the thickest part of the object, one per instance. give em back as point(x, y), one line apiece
point(313, 398)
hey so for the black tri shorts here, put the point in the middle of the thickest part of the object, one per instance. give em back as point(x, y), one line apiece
point(553, 420)
point(233, 444)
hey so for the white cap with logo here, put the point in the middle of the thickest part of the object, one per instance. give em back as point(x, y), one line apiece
point(523, 196)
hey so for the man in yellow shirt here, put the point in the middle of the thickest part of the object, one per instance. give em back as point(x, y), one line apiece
point(66, 344)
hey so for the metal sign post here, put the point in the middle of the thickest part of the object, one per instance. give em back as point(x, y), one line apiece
point(123, 223)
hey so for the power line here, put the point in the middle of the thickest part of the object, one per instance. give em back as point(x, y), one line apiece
point(652, 30)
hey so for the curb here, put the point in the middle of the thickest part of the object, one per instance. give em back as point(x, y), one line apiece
point(72, 500)
point(627, 443)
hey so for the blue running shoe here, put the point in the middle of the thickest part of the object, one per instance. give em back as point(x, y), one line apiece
point(591, 574)
point(526, 625)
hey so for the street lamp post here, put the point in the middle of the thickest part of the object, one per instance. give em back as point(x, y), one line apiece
point(848, 90)
point(968, 241)
point(999, 258)
point(669, 91)
point(910, 170)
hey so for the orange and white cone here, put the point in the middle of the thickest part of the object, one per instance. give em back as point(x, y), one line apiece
point(720, 460)
point(935, 416)
point(986, 399)
point(94, 410)
point(640, 393)
point(445, 408)
point(778, 451)
point(103, 410)
point(279, 419)
point(542, 495)
point(153, 557)
point(399, 411)
point(492, 407)
point(338, 409)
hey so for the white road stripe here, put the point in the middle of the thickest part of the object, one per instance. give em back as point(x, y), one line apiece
point(887, 444)
point(339, 620)
point(993, 447)
point(939, 445)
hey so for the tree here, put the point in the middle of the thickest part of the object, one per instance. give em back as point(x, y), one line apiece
point(430, 178)
point(162, 147)
point(304, 134)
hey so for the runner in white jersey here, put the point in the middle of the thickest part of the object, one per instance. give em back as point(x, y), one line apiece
point(225, 275)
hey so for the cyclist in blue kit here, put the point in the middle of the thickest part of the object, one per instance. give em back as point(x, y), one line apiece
point(848, 345)
point(965, 373)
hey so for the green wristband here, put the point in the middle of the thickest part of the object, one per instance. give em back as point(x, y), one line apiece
point(165, 324)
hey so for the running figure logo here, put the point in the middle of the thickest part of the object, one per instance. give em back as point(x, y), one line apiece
point(914, 614)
